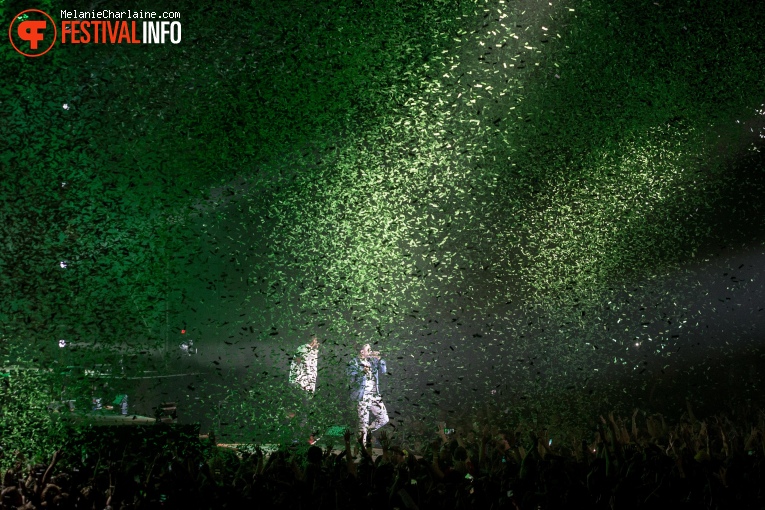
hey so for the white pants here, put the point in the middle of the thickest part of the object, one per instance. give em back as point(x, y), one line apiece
point(373, 404)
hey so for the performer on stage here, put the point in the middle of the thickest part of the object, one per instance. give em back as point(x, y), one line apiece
point(303, 373)
point(364, 372)
point(304, 366)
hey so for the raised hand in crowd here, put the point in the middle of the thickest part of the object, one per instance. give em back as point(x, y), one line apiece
point(349, 456)
point(441, 431)
point(385, 443)
point(635, 431)
point(751, 441)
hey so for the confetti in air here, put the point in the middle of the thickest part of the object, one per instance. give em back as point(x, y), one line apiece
point(522, 206)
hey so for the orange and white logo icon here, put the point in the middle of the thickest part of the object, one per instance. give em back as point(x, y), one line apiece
point(32, 33)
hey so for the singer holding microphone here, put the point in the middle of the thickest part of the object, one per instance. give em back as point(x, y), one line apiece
point(364, 373)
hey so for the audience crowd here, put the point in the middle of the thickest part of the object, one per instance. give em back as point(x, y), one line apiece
point(625, 463)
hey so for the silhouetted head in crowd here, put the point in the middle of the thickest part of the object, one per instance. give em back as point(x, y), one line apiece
point(314, 455)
